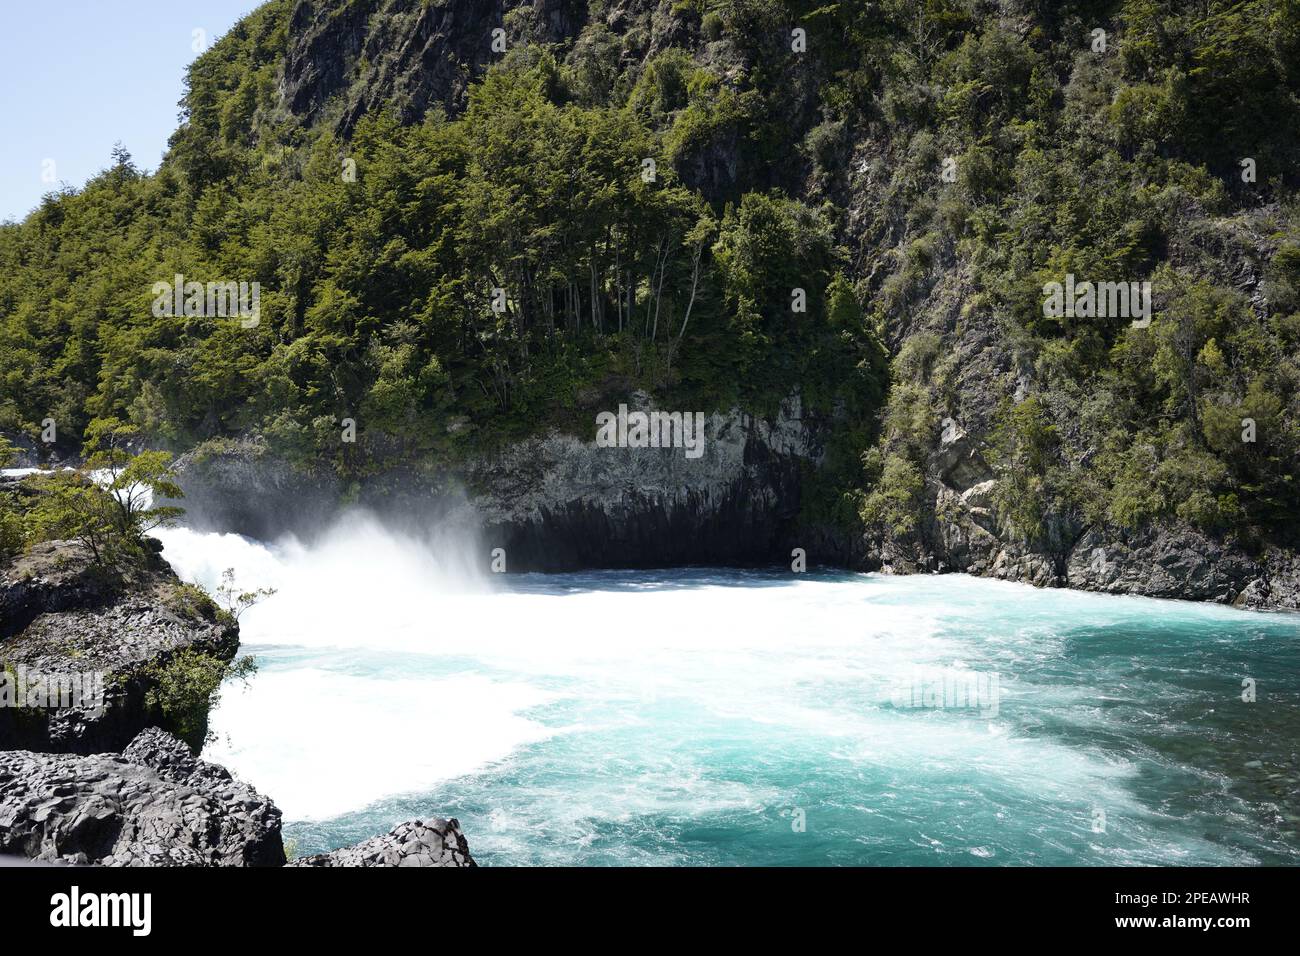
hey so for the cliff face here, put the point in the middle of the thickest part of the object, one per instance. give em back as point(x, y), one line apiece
point(412, 58)
point(962, 523)
point(418, 55)
point(556, 502)
point(412, 55)
point(561, 503)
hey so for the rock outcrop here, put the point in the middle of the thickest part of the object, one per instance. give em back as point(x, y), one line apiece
point(71, 625)
point(415, 843)
point(82, 648)
point(555, 502)
point(558, 502)
point(154, 804)
point(562, 503)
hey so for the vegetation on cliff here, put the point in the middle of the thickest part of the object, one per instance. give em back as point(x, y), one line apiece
point(650, 186)
point(75, 545)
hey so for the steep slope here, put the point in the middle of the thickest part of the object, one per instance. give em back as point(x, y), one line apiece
point(478, 225)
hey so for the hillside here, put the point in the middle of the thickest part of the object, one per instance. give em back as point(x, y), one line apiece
point(654, 186)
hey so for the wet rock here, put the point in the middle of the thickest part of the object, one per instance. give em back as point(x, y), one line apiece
point(561, 503)
point(555, 502)
point(106, 633)
point(437, 843)
point(152, 805)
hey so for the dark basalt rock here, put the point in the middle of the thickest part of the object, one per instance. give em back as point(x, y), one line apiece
point(53, 576)
point(438, 843)
point(1173, 561)
point(555, 502)
point(152, 805)
point(62, 615)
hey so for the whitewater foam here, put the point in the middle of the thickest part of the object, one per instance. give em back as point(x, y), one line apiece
point(681, 716)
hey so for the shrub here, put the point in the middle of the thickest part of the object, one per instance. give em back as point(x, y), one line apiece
point(187, 688)
point(895, 501)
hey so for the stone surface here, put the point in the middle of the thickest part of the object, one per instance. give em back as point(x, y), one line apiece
point(53, 576)
point(555, 502)
point(559, 502)
point(154, 804)
point(414, 843)
point(62, 616)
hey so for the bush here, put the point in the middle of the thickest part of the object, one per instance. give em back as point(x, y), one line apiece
point(112, 521)
point(187, 688)
point(895, 502)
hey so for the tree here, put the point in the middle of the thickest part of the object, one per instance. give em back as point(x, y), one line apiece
point(132, 481)
point(236, 602)
point(107, 505)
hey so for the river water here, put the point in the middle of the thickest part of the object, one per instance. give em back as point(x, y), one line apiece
point(706, 716)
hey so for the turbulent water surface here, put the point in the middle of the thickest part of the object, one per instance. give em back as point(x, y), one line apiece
point(701, 716)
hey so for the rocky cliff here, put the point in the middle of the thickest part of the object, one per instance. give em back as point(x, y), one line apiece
point(156, 804)
point(557, 501)
point(982, 366)
point(103, 639)
point(88, 774)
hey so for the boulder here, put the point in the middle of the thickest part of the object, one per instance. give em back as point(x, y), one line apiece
point(154, 804)
point(414, 843)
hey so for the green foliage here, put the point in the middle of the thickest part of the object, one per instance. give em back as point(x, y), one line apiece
point(378, 294)
point(187, 686)
point(191, 601)
point(107, 506)
point(894, 501)
point(1107, 166)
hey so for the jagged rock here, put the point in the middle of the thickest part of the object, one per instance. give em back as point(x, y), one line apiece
point(65, 619)
point(438, 843)
point(152, 805)
point(1278, 586)
point(417, 54)
point(1165, 561)
point(555, 502)
point(958, 462)
point(52, 576)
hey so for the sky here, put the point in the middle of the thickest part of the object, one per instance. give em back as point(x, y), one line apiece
point(77, 76)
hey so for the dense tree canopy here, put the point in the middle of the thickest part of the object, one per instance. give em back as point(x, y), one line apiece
point(614, 214)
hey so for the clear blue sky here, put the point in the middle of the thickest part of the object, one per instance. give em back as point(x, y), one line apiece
point(76, 76)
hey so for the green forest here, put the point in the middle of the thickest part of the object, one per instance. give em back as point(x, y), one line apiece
point(918, 170)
